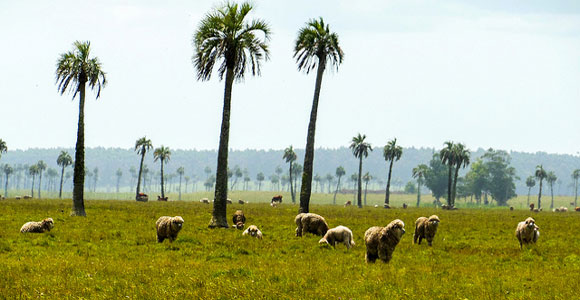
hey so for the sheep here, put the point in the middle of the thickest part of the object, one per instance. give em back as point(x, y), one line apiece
point(531, 206)
point(425, 228)
point(561, 209)
point(381, 241)
point(241, 202)
point(348, 203)
point(376, 206)
point(38, 227)
point(204, 200)
point(577, 208)
point(339, 234)
point(404, 205)
point(17, 198)
point(239, 219)
point(228, 201)
point(27, 197)
point(312, 223)
point(159, 198)
point(274, 204)
point(253, 231)
point(527, 232)
point(168, 227)
point(511, 208)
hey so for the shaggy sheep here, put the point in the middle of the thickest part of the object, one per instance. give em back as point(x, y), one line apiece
point(159, 198)
point(239, 219)
point(241, 202)
point(577, 208)
point(277, 198)
point(531, 206)
point(527, 232)
point(228, 201)
point(168, 227)
point(204, 200)
point(339, 234)
point(38, 227)
point(376, 206)
point(17, 197)
point(253, 231)
point(426, 228)
point(381, 241)
point(312, 223)
point(348, 203)
point(27, 197)
point(561, 209)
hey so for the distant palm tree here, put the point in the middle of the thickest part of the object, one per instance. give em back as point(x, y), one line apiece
point(315, 47)
point(419, 173)
point(77, 68)
point(530, 183)
point(447, 156)
point(96, 178)
point(391, 152)
point(576, 176)
point(551, 179)
point(366, 178)
point(3, 147)
point(290, 156)
point(180, 172)
point(360, 149)
point(225, 35)
point(260, 177)
point(540, 175)
point(317, 179)
point(41, 167)
point(7, 171)
point(162, 154)
point(119, 174)
point(64, 160)
point(462, 156)
point(32, 171)
point(142, 145)
point(339, 173)
point(354, 179)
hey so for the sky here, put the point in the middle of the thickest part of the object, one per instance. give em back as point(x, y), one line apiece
point(500, 74)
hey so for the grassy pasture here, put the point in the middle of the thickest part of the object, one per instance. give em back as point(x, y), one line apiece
point(113, 253)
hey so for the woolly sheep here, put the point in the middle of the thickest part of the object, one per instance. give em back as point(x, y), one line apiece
point(425, 228)
point(348, 203)
point(312, 223)
point(168, 227)
point(239, 219)
point(204, 200)
point(527, 232)
point(253, 231)
point(381, 241)
point(339, 234)
point(38, 227)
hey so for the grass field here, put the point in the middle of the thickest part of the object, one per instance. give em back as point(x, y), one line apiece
point(113, 253)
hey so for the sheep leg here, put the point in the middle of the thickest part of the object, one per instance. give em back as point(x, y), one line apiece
point(415, 237)
point(370, 258)
point(420, 239)
point(160, 239)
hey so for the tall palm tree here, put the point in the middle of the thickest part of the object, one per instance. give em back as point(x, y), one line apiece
point(576, 176)
point(419, 172)
point(360, 149)
point(3, 147)
point(551, 179)
point(315, 47)
point(447, 156)
point(290, 156)
point(7, 171)
point(339, 173)
point(74, 70)
point(142, 145)
point(119, 174)
point(462, 156)
point(530, 183)
point(180, 172)
point(540, 175)
point(366, 178)
point(391, 152)
point(163, 154)
point(64, 160)
point(32, 171)
point(225, 37)
point(41, 167)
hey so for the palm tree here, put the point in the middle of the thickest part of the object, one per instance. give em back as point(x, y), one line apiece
point(447, 156)
point(142, 145)
point(419, 172)
point(33, 170)
point(339, 173)
point(462, 156)
point(530, 183)
point(180, 172)
point(163, 154)
point(576, 176)
point(7, 171)
point(354, 179)
point(366, 178)
point(64, 160)
point(541, 175)
point(119, 174)
point(391, 152)
point(290, 156)
point(551, 179)
point(225, 37)
point(78, 68)
point(3, 147)
point(41, 167)
point(360, 149)
point(315, 47)
point(260, 177)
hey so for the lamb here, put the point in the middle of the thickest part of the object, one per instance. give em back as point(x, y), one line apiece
point(348, 203)
point(312, 223)
point(426, 228)
point(381, 241)
point(168, 227)
point(253, 231)
point(339, 234)
point(204, 200)
point(239, 219)
point(38, 227)
point(527, 232)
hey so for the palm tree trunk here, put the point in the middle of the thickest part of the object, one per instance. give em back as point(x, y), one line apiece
point(576, 193)
point(449, 182)
point(306, 188)
point(39, 184)
point(387, 193)
point(366, 189)
point(118, 182)
point(292, 193)
point(79, 170)
point(552, 194)
point(529, 191)
point(454, 186)
point(61, 181)
point(221, 188)
point(179, 187)
point(162, 181)
point(540, 195)
point(140, 173)
point(6, 187)
point(418, 193)
point(32, 188)
point(359, 191)
point(336, 191)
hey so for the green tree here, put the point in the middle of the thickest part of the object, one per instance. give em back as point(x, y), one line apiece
point(7, 171)
point(329, 178)
point(540, 174)
point(419, 173)
point(74, 70)
point(366, 178)
point(575, 177)
point(33, 171)
point(64, 160)
point(447, 155)
point(317, 179)
point(436, 178)
point(339, 173)
point(275, 180)
point(41, 167)
point(260, 177)
point(500, 177)
point(163, 154)
point(180, 172)
point(290, 156)
point(530, 183)
point(391, 152)
point(239, 174)
point(315, 47)
point(462, 156)
point(119, 174)
point(410, 188)
point(96, 178)
point(477, 179)
point(142, 145)
point(225, 35)
point(360, 149)
point(551, 179)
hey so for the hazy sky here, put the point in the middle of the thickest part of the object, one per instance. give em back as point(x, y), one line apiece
point(502, 74)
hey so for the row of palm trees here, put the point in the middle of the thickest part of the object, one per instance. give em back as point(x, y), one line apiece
point(163, 154)
point(541, 174)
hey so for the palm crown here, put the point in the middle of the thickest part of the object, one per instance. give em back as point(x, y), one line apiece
point(143, 145)
point(289, 154)
point(64, 159)
point(359, 147)
point(316, 44)
point(540, 173)
point(162, 153)
point(420, 171)
point(78, 68)
point(3, 147)
point(530, 181)
point(392, 151)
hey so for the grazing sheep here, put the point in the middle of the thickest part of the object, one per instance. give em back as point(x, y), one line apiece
point(348, 203)
point(239, 219)
point(339, 234)
point(312, 223)
point(511, 208)
point(561, 209)
point(159, 198)
point(426, 228)
point(531, 206)
point(2, 197)
point(277, 198)
point(381, 241)
point(38, 227)
point(27, 197)
point(577, 208)
point(527, 232)
point(17, 197)
point(168, 227)
point(376, 206)
point(404, 205)
point(142, 197)
point(274, 204)
point(228, 201)
point(241, 202)
point(253, 231)
point(204, 200)
point(571, 203)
